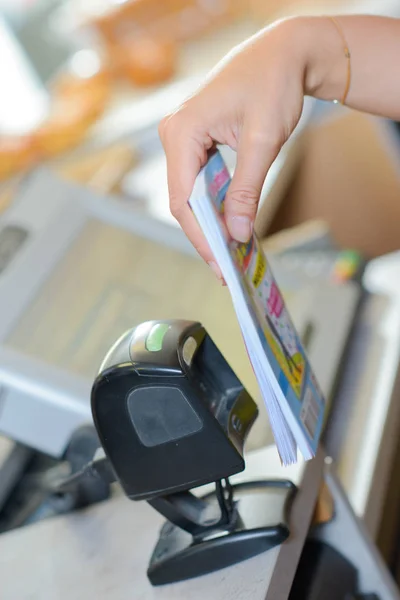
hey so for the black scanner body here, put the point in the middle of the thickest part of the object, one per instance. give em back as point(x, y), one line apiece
point(171, 416)
point(170, 412)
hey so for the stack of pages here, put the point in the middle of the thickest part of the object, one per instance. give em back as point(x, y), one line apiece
point(294, 402)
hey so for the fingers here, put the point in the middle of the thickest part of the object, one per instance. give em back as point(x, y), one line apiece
point(186, 147)
point(255, 154)
point(186, 153)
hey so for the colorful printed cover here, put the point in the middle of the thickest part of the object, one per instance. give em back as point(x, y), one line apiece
point(279, 338)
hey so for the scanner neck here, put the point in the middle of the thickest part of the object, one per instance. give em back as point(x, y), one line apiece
point(197, 516)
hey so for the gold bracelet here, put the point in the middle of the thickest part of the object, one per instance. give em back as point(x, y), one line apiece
point(348, 58)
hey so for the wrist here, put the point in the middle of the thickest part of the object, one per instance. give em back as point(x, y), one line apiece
point(322, 51)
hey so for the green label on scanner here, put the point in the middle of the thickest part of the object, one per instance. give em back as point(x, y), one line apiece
point(155, 338)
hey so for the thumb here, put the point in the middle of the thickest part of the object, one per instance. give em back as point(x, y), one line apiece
point(255, 155)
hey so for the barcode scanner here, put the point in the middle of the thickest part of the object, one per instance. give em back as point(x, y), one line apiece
point(176, 408)
point(172, 416)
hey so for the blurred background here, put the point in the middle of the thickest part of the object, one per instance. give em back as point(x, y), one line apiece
point(84, 84)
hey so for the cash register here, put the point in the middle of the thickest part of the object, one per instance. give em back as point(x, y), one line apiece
point(75, 304)
point(47, 370)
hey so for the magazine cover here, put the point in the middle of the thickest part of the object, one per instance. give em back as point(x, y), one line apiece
point(277, 333)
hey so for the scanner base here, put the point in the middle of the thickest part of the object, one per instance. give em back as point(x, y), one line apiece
point(262, 508)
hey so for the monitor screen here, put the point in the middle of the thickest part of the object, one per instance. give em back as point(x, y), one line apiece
point(109, 281)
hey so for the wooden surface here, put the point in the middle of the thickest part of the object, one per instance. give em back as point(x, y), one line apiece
point(103, 553)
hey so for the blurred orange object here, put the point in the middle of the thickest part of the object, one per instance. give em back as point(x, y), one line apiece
point(324, 508)
point(85, 78)
point(77, 103)
point(142, 38)
point(67, 125)
point(146, 61)
point(16, 154)
point(175, 20)
point(79, 96)
point(97, 88)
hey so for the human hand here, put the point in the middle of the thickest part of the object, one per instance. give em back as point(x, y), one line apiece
point(251, 102)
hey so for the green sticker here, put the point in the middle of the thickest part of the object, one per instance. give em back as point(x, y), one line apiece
point(155, 338)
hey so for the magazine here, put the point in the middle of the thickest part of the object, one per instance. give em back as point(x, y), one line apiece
point(295, 404)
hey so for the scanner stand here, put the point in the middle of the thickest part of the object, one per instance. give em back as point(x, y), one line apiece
point(172, 417)
point(206, 533)
point(224, 527)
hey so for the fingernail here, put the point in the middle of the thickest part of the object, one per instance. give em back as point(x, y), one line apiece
point(241, 228)
point(213, 265)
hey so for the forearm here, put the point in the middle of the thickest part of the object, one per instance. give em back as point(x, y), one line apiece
point(374, 44)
